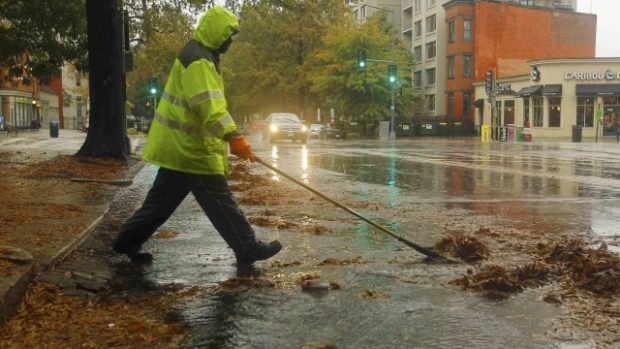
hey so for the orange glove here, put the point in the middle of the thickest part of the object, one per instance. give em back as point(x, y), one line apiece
point(240, 147)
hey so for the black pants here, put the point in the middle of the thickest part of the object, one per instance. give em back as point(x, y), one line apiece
point(169, 190)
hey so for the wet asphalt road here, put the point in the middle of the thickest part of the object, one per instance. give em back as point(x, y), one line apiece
point(391, 299)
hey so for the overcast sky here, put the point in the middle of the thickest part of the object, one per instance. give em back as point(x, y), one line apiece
point(607, 26)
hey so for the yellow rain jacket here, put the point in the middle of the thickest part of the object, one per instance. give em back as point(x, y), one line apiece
point(192, 116)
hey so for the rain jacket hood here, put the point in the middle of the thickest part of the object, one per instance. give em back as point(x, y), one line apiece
point(216, 26)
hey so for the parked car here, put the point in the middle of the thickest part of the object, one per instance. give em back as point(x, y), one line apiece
point(279, 126)
point(334, 131)
point(315, 130)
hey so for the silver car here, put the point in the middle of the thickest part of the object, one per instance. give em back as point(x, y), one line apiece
point(279, 126)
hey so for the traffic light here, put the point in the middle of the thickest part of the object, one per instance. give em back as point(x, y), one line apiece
point(488, 83)
point(361, 59)
point(153, 85)
point(392, 73)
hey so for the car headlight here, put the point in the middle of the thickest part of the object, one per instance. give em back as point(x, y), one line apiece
point(304, 129)
point(274, 128)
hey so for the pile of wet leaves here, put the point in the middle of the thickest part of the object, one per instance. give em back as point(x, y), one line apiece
point(495, 282)
point(594, 270)
point(570, 261)
point(139, 322)
point(241, 284)
point(67, 166)
point(465, 247)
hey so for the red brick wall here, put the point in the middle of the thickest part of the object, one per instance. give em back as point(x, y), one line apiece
point(507, 36)
point(56, 86)
point(457, 49)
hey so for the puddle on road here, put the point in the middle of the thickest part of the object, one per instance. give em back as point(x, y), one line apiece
point(416, 308)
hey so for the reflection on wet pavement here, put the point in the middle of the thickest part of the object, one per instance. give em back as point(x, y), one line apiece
point(419, 189)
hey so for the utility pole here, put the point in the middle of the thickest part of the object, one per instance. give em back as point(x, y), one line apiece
point(393, 53)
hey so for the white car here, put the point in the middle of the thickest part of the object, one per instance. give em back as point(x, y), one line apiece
point(279, 126)
point(315, 130)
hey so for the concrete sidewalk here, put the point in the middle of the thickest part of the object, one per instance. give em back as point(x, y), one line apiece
point(43, 216)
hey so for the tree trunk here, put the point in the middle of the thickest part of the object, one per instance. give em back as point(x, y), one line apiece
point(106, 133)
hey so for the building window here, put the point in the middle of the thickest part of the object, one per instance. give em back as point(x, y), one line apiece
point(431, 24)
point(467, 66)
point(430, 3)
point(451, 31)
point(538, 111)
point(509, 112)
point(417, 78)
point(430, 76)
point(466, 103)
point(585, 111)
point(526, 110)
point(417, 53)
point(451, 67)
point(417, 28)
point(450, 104)
point(526, 2)
point(418, 5)
point(555, 111)
point(467, 30)
point(431, 50)
point(430, 102)
point(78, 80)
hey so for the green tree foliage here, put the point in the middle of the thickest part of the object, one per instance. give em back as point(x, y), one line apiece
point(355, 92)
point(265, 69)
point(155, 57)
point(295, 55)
point(37, 37)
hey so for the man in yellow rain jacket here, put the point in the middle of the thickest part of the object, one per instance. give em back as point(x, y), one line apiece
point(189, 140)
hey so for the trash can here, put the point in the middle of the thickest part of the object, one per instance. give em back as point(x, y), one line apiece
point(457, 129)
point(511, 132)
point(402, 130)
point(485, 133)
point(54, 129)
point(443, 129)
point(428, 129)
point(527, 134)
point(519, 134)
point(577, 133)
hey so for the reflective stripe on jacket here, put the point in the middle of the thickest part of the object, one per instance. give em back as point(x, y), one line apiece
point(192, 116)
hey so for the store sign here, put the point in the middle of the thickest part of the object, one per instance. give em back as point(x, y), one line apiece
point(499, 88)
point(606, 75)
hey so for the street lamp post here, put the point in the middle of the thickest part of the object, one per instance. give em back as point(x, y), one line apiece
point(392, 103)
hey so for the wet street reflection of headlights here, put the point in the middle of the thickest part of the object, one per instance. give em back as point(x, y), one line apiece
point(304, 164)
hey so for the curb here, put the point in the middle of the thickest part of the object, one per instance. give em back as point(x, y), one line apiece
point(13, 297)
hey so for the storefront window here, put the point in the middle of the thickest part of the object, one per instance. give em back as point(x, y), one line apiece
point(509, 112)
point(22, 112)
point(526, 110)
point(555, 111)
point(585, 111)
point(538, 112)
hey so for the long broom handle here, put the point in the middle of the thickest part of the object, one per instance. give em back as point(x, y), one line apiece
point(423, 250)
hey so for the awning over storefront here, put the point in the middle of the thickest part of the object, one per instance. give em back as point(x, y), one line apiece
point(552, 90)
point(530, 91)
point(598, 89)
point(479, 103)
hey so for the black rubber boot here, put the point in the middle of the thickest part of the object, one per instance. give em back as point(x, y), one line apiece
point(261, 251)
point(134, 254)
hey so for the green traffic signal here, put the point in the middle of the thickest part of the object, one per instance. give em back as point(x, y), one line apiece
point(392, 73)
point(153, 85)
point(361, 59)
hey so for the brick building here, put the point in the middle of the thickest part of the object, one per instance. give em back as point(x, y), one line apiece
point(486, 35)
